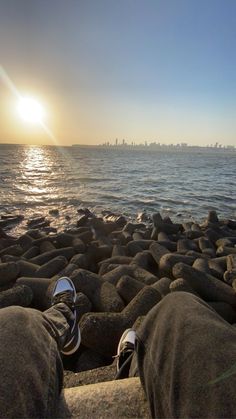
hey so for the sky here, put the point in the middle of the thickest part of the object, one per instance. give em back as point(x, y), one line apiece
point(139, 70)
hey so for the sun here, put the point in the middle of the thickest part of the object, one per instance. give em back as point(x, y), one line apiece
point(30, 110)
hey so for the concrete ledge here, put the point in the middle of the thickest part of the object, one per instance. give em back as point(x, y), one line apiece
point(117, 399)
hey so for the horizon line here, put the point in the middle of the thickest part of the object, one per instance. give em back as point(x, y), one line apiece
point(152, 145)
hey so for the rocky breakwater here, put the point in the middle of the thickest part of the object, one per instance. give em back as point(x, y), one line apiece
point(120, 271)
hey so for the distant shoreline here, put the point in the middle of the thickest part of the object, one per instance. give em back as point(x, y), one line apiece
point(166, 148)
point(138, 147)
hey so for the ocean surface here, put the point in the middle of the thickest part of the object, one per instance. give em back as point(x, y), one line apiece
point(183, 185)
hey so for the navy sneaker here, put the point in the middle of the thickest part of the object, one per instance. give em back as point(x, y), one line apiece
point(125, 352)
point(64, 292)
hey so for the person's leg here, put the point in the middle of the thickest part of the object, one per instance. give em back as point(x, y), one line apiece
point(187, 359)
point(30, 362)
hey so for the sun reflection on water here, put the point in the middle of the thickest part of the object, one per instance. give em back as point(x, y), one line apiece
point(35, 168)
point(35, 158)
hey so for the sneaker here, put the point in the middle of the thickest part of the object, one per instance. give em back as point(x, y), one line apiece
point(64, 292)
point(125, 352)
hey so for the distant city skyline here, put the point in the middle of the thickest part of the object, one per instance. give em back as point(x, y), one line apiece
point(146, 143)
point(161, 70)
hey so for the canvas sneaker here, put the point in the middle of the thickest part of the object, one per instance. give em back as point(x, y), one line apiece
point(125, 352)
point(64, 292)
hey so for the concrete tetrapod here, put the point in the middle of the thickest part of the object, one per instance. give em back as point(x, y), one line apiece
point(162, 286)
point(136, 272)
point(184, 245)
point(230, 274)
point(181, 284)
point(102, 294)
point(31, 252)
point(170, 259)
point(67, 252)
point(158, 251)
point(14, 250)
point(46, 246)
point(27, 268)
point(20, 295)
point(146, 261)
point(52, 267)
point(9, 271)
point(128, 287)
point(39, 286)
point(202, 265)
point(102, 331)
point(208, 287)
point(83, 303)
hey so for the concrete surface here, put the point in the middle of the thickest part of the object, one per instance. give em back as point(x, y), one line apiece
point(111, 399)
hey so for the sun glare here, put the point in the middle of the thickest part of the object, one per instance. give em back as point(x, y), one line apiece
point(30, 110)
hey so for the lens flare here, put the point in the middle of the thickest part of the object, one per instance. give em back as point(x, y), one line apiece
point(28, 104)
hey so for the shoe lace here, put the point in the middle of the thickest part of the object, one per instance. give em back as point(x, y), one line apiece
point(127, 348)
point(64, 297)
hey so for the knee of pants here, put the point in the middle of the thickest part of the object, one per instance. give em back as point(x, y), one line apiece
point(171, 303)
point(15, 318)
point(13, 312)
point(23, 330)
point(16, 311)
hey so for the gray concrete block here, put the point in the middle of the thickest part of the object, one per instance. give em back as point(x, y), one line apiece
point(162, 286)
point(67, 252)
point(208, 287)
point(52, 267)
point(16, 296)
point(9, 271)
point(103, 295)
point(128, 288)
point(117, 399)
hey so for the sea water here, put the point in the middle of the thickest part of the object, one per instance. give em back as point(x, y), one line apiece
point(182, 184)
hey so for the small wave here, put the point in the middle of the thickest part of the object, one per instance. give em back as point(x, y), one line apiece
point(173, 201)
point(142, 202)
point(111, 197)
point(223, 198)
point(92, 179)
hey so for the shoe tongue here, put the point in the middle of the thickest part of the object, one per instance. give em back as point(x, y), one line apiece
point(130, 337)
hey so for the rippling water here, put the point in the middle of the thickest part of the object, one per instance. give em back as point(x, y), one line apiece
point(185, 186)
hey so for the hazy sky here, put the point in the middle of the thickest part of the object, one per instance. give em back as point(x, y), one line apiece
point(161, 70)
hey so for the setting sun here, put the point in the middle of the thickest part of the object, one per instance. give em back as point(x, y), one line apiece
point(30, 110)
